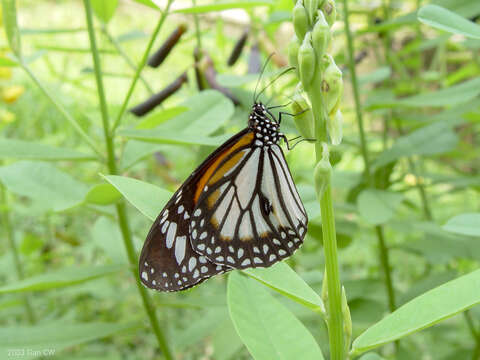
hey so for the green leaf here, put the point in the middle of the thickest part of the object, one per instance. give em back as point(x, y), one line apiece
point(265, 326)
point(378, 206)
point(57, 336)
point(102, 194)
point(11, 26)
point(424, 311)
point(61, 278)
point(453, 95)
point(20, 149)
point(287, 282)
point(147, 198)
point(6, 62)
point(43, 182)
point(443, 19)
point(135, 151)
point(106, 235)
point(371, 356)
point(159, 117)
point(227, 5)
point(376, 76)
point(173, 138)
point(148, 3)
point(436, 138)
point(465, 224)
point(104, 9)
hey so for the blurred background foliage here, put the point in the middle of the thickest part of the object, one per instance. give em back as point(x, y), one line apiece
point(420, 95)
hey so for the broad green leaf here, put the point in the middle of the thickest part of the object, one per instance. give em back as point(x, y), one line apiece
point(266, 327)
point(227, 5)
point(378, 75)
point(371, 356)
point(173, 138)
point(44, 183)
point(454, 95)
point(11, 27)
point(287, 282)
point(225, 341)
point(147, 198)
point(60, 278)
point(135, 151)
point(465, 224)
point(102, 194)
point(20, 149)
point(424, 311)
point(160, 117)
point(104, 9)
point(57, 336)
point(436, 138)
point(4, 61)
point(106, 235)
point(443, 19)
point(378, 206)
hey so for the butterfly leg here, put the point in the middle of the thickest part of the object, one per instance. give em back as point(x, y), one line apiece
point(289, 114)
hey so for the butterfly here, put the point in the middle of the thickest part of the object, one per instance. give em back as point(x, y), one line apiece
point(239, 209)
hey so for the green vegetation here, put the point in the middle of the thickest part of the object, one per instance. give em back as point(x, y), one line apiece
point(95, 137)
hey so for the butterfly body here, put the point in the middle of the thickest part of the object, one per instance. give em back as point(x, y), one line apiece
point(238, 209)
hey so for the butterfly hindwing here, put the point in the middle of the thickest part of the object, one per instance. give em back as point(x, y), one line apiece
point(249, 214)
point(168, 262)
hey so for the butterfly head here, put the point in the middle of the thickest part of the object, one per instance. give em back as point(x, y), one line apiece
point(264, 124)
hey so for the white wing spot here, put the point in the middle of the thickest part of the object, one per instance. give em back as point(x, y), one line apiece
point(164, 274)
point(164, 227)
point(146, 264)
point(154, 282)
point(217, 249)
point(281, 252)
point(272, 257)
point(265, 248)
point(256, 250)
point(201, 247)
point(192, 223)
point(179, 282)
point(209, 251)
point(192, 263)
point(177, 275)
point(203, 235)
point(202, 259)
point(231, 249)
point(301, 231)
point(180, 209)
point(145, 276)
point(219, 267)
point(186, 216)
point(290, 244)
point(184, 269)
point(202, 222)
point(204, 269)
point(246, 262)
point(283, 234)
point(277, 242)
point(219, 258)
point(152, 270)
point(172, 230)
point(257, 260)
point(194, 234)
point(196, 274)
point(180, 248)
point(197, 212)
point(230, 259)
point(240, 253)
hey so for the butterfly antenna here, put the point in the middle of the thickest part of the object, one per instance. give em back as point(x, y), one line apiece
point(260, 77)
point(275, 79)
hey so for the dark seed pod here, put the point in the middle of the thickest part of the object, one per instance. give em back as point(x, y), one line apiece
point(157, 99)
point(238, 48)
point(211, 77)
point(200, 79)
point(254, 61)
point(161, 54)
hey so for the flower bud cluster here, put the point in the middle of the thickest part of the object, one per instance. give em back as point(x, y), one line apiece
point(319, 75)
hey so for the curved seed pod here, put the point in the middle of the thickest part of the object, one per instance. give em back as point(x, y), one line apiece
point(335, 127)
point(330, 12)
point(211, 78)
point(238, 48)
point(161, 54)
point(303, 118)
point(323, 172)
point(306, 61)
point(199, 77)
point(293, 52)
point(157, 99)
point(320, 35)
point(300, 20)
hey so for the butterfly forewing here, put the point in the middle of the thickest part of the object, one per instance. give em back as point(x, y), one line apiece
point(168, 261)
point(250, 214)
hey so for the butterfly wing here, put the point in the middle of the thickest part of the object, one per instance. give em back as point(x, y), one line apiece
point(168, 262)
point(250, 213)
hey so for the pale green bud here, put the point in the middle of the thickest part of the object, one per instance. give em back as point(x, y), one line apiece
point(293, 52)
point(335, 128)
point(306, 61)
point(311, 6)
point(303, 118)
point(320, 35)
point(301, 23)
point(323, 172)
point(332, 87)
point(347, 320)
point(329, 11)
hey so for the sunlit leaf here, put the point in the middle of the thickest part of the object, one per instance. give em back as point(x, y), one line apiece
point(265, 326)
point(465, 224)
point(378, 206)
point(422, 312)
point(11, 27)
point(102, 194)
point(104, 9)
point(147, 198)
point(446, 20)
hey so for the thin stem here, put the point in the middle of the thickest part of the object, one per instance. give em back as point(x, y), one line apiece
point(120, 207)
point(384, 258)
point(198, 35)
point(7, 226)
point(125, 56)
point(475, 334)
point(63, 111)
point(140, 66)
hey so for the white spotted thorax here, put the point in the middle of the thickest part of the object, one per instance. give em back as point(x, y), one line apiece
point(264, 125)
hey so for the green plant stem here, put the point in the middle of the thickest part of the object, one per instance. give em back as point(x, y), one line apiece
point(120, 207)
point(384, 257)
point(140, 66)
point(334, 311)
point(63, 111)
point(475, 334)
point(125, 56)
point(7, 227)
point(197, 28)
